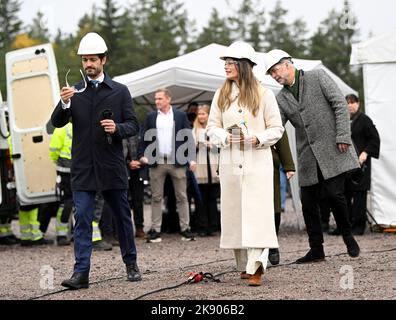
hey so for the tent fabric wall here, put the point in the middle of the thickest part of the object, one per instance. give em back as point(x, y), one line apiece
point(381, 108)
point(378, 57)
point(379, 49)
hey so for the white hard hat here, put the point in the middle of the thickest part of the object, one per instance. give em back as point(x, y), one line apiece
point(274, 57)
point(92, 43)
point(240, 50)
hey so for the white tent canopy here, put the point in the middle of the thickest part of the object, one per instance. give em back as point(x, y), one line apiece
point(378, 57)
point(195, 76)
point(379, 49)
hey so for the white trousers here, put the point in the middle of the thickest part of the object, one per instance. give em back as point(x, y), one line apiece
point(251, 259)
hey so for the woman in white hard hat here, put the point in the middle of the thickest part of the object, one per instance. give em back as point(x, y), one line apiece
point(246, 168)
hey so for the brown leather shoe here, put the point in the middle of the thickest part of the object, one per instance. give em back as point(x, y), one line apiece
point(140, 233)
point(255, 280)
point(245, 276)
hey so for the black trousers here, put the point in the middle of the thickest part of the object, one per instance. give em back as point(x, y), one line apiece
point(207, 215)
point(333, 189)
point(136, 192)
point(48, 210)
point(170, 219)
point(357, 207)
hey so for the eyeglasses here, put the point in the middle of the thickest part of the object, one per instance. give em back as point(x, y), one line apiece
point(75, 90)
point(276, 67)
point(229, 62)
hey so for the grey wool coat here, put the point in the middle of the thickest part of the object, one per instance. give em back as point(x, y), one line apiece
point(321, 120)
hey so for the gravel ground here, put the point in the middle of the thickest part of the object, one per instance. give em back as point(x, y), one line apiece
point(370, 276)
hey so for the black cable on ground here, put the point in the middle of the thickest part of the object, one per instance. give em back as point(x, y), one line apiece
point(194, 278)
point(48, 294)
point(159, 290)
point(63, 290)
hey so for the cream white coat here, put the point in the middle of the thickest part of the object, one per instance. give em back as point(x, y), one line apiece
point(246, 176)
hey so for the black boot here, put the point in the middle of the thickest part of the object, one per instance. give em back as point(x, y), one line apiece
point(9, 240)
point(41, 242)
point(133, 273)
point(62, 241)
point(358, 230)
point(77, 281)
point(313, 255)
point(274, 256)
point(335, 232)
point(352, 246)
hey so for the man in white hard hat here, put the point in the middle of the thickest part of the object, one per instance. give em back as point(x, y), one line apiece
point(315, 106)
point(102, 115)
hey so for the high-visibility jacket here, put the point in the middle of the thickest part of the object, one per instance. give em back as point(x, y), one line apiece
point(60, 147)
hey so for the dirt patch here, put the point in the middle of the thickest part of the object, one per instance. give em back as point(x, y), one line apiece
point(25, 271)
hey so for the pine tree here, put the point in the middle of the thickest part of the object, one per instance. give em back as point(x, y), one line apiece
point(162, 27)
point(217, 31)
point(89, 23)
point(248, 22)
point(332, 43)
point(65, 50)
point(280, 35)
point(109, 26)
point(129, 46)
point(10, 25)
point(38, 29)
point(109, 20)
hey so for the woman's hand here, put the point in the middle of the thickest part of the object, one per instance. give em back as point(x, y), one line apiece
point(248, 140)
point(251, 140)
point(233, 139)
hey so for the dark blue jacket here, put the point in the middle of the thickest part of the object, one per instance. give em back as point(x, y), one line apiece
point(183, 146)
point(96, 164)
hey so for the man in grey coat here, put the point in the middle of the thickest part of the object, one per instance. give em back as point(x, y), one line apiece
point(315, 106)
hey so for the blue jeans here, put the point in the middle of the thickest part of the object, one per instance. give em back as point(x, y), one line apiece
point(84, 202)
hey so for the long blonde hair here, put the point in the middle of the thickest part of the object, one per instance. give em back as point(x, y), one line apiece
point(249, 93)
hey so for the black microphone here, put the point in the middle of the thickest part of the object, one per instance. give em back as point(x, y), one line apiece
point(107, 114)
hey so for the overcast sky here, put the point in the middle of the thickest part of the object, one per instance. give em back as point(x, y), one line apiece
point(374, 17)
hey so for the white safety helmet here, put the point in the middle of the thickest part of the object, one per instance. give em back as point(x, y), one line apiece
point(274, 57)
point(92, 43)
point(240, 50)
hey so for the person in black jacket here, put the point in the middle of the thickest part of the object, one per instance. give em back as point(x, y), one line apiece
point(138, 173)
point(366, 140)
point(102, 115)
